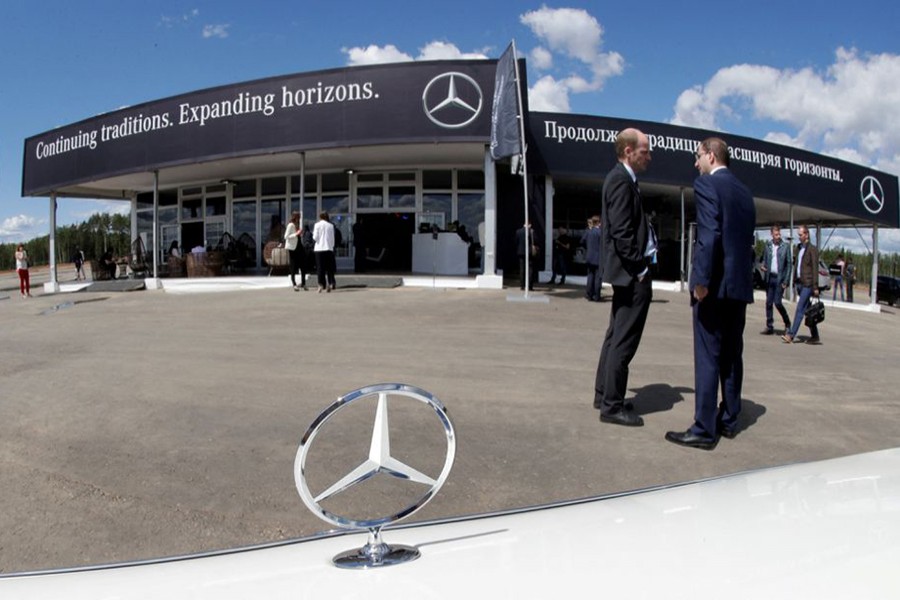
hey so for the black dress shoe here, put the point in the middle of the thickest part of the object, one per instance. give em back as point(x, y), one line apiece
point(692, 440)
point(627, 418)
point(728, 433)
point(767, 332)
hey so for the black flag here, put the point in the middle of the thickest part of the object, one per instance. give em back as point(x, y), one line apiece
point(505, 139)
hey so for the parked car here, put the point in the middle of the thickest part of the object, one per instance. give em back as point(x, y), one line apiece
point(824, 529)
point(888, 289)
point(824, 277)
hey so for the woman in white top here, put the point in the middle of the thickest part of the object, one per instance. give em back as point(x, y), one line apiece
point(22, 270)
point(295, 251)
point(323, 235)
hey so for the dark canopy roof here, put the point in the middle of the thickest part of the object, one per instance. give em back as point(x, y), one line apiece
point(417, 113)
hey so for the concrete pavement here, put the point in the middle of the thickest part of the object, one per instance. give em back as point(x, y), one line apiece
point(146, 424)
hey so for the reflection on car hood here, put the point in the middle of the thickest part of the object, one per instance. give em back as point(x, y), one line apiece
point(828, 529)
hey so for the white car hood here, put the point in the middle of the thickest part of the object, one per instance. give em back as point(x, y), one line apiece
point(828, 529)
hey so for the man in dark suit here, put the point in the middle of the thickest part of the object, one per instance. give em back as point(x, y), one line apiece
point(591, 241)
point(777, 269)
point(721, 287)
point(625, 247)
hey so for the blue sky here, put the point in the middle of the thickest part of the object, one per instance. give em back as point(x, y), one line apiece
point(819, 75)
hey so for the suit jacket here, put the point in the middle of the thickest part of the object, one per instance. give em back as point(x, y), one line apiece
point(809, 266)
point(782, 259)
point(523, 247)
point(624, 231)
point(591, 241)
point(723, 252)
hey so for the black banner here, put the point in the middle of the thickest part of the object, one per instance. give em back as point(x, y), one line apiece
point(582, 146)
point(505, 130)
point(437, 101)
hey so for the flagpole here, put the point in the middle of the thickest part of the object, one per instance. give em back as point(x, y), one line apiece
point(520, 115)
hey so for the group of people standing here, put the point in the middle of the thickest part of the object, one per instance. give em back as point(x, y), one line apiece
point(304, 245)
point(779, 275)
point(721, 286)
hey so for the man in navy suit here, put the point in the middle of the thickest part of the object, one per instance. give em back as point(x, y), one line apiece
point(721, 288)
point(626, 244)
point(591, 241)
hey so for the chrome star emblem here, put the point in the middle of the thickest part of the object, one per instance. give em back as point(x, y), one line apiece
point(872, 194)
point(452, 100)
point(379, 459)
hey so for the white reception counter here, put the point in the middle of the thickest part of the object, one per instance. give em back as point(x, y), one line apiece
point(448, 255)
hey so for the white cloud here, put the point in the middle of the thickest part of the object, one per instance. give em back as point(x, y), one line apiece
point(851, 110)
point(436, 50)
point(19, 227)
point(447, 51)
point(371, 55)
point(541, 58)
point(576, 35)
point(216, 31)
point(549, 95)
point(170, 21)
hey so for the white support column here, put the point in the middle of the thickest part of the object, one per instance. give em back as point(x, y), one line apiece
point(548, 229)
point(490, 279)
point(683, 271)
point(152, 283)
point(874, 283)
point(52, 286)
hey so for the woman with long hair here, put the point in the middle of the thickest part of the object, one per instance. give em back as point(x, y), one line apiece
point(295, 250)
point(22, 270)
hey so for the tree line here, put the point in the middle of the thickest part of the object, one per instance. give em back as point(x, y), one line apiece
point(101, 232)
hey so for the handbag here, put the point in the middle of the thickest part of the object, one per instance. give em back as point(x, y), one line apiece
point(814, 313)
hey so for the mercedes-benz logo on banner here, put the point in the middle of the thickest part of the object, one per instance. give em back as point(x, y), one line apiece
point(415, 484)
point(452, 100)
point(872, 194)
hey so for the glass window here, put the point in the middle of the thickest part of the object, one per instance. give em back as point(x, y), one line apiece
point(274, 186)
point(470, 212)
point(310, 213)
point(369, 178)
point(335, 182)
point(309, 184)
point(342, 228)
point(145, 222)
point(369, 197)
point(215, 207)
point(272, 215)
point(214, 231)
point(168, 215)
point(470, 180)
point(335, 205)
point(218, 188)
point(169, 234)
point(192, 191)
point(168, 198)
point(438, 204)
point(402, 197)
point(145, 200)
point(190, 209)
point(442, 180)
point(244, 218)
point(244, 189)
point(402, 176)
